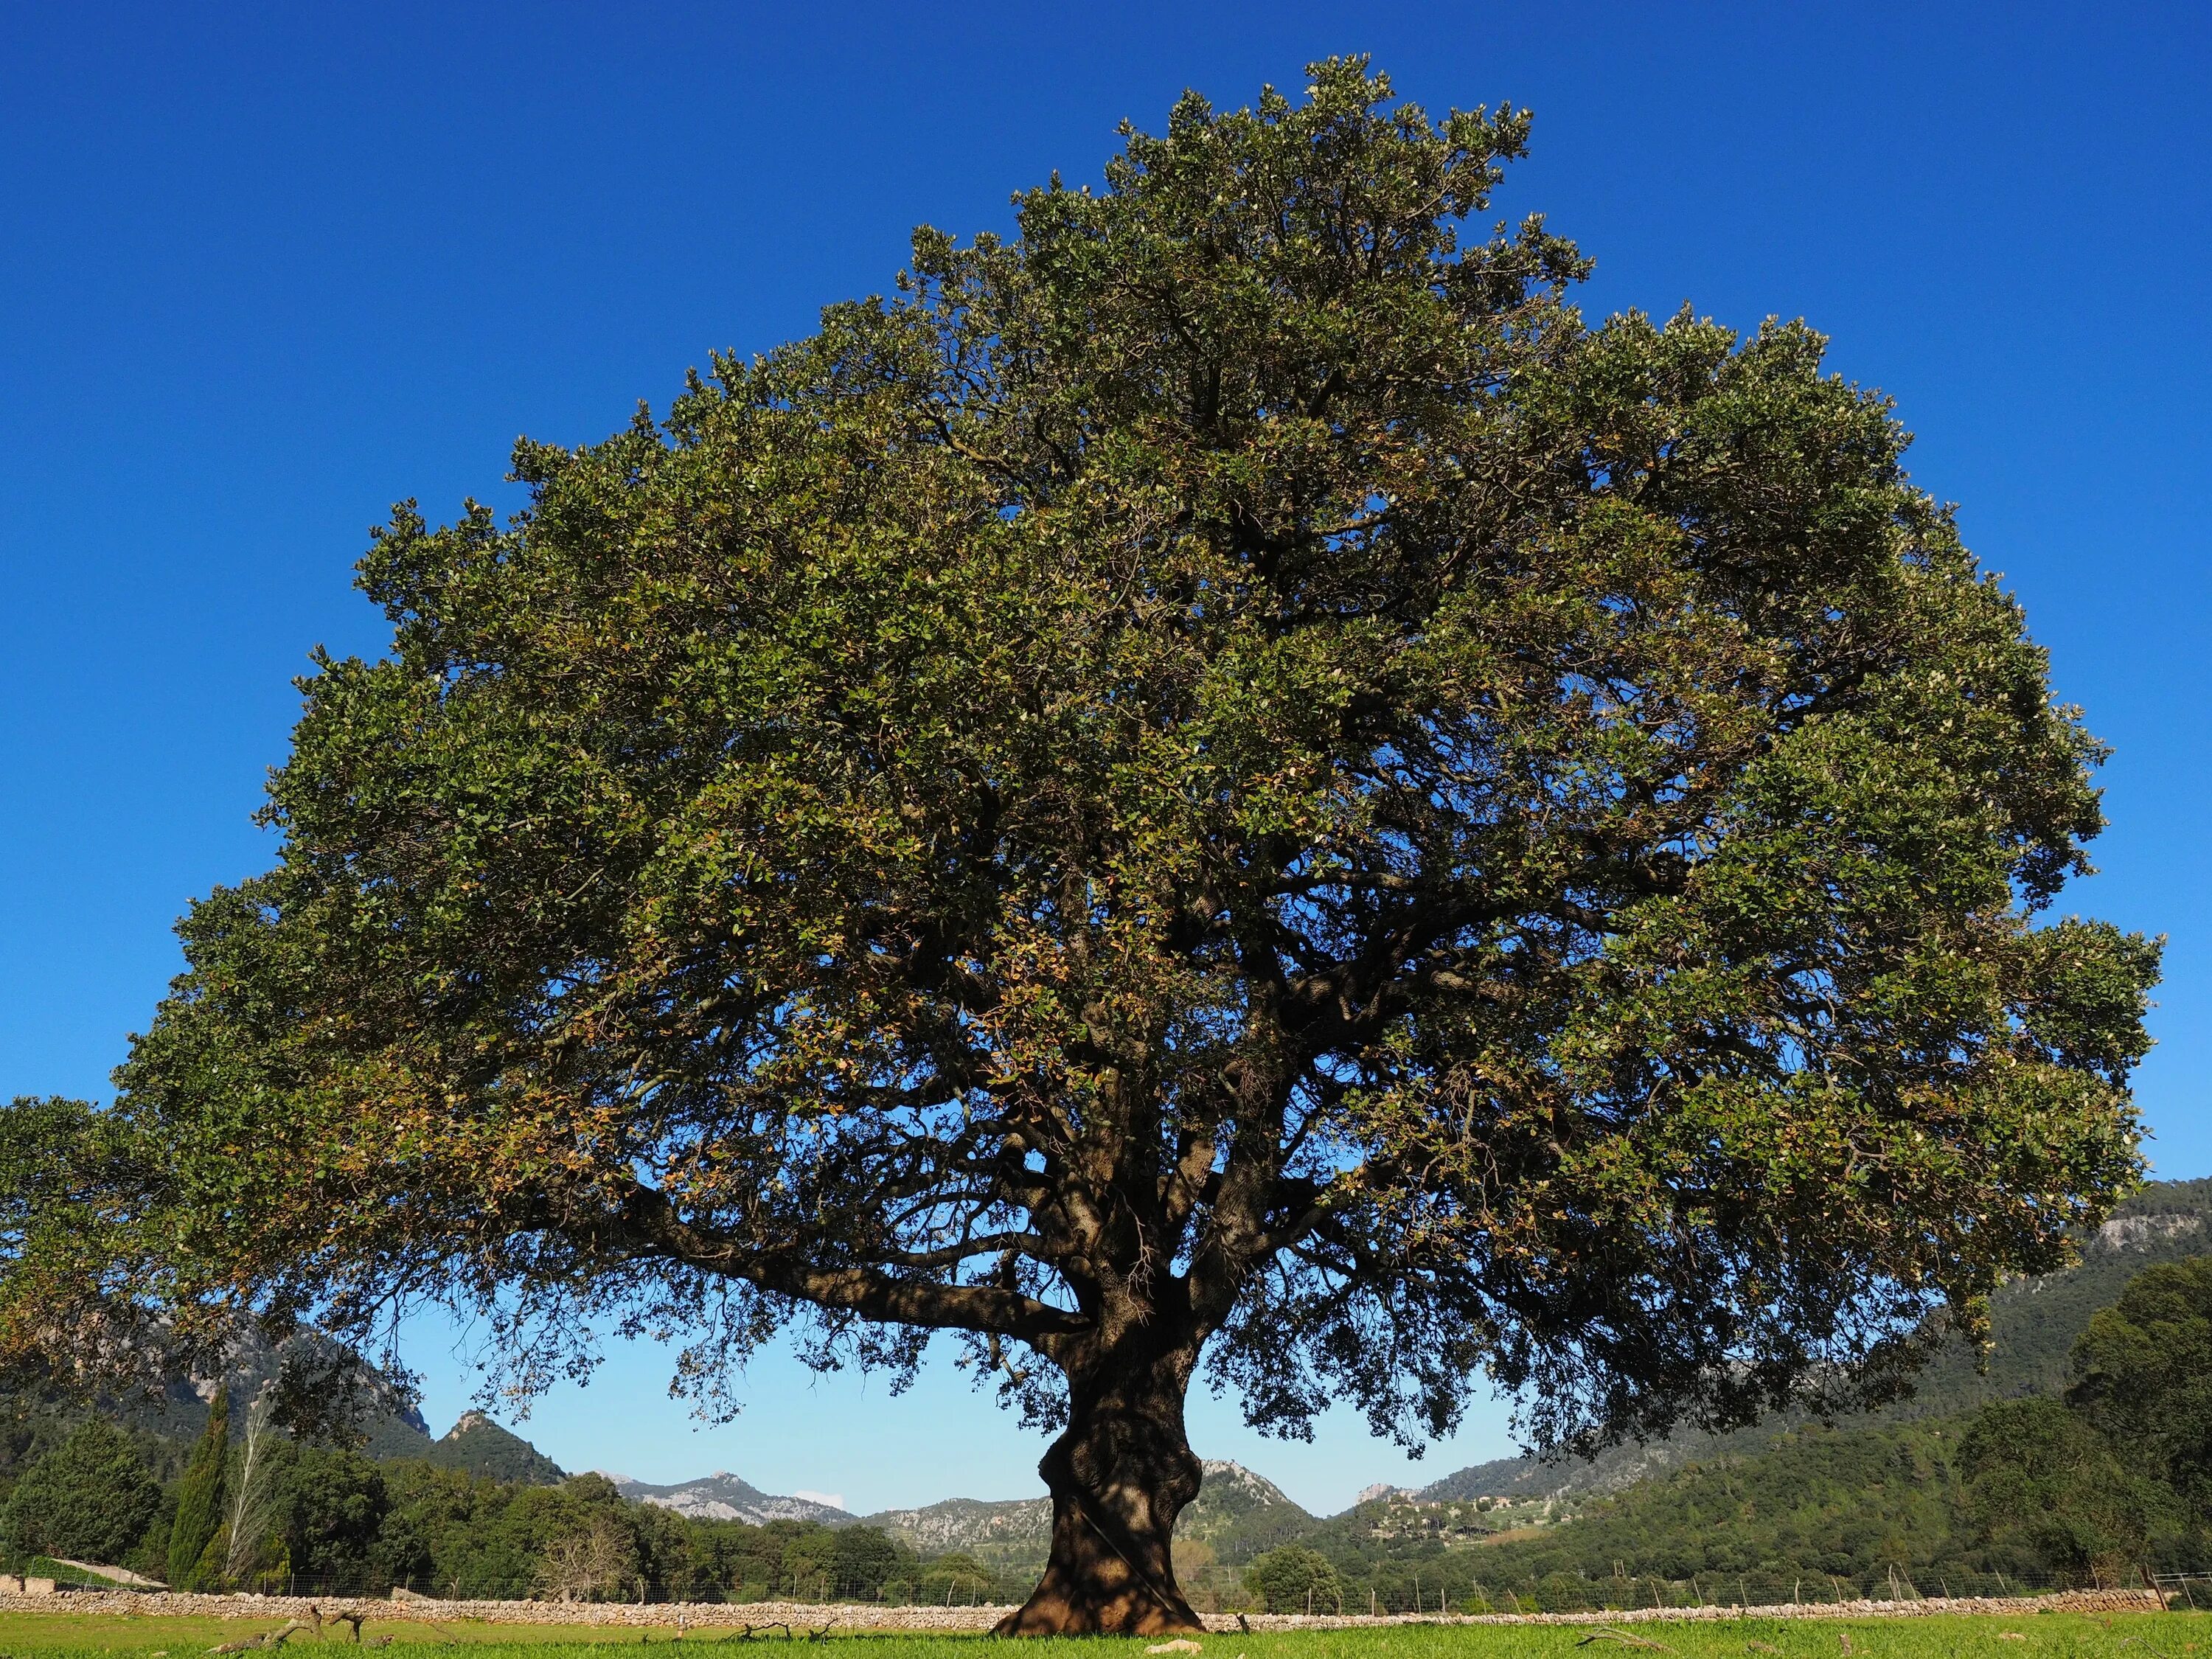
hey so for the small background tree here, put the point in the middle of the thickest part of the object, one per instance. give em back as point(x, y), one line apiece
point(588, 1564)
point(1225, 787)
point(251, 1537)
point(1294, 1579)
point(2045, 1491)
point(91, 1498)
point(2144, 1377)
point(333, 1504)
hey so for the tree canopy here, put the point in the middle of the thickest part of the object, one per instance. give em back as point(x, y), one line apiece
point(1224, 784)
point(2143, 1376)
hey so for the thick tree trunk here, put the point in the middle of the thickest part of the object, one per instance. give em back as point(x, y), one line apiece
point(1119, 1477)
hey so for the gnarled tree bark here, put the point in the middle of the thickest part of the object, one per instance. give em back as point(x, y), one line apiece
point(1119, 1475)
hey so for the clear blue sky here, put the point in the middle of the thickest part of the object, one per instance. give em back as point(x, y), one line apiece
point(264, 270)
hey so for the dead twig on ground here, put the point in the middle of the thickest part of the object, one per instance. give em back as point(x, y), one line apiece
point(1626, 1639)
point(271, 1639)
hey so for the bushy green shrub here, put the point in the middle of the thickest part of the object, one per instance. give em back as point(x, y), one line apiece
point(2046, 1493)
point(89, 1499)
point(1294, 1579)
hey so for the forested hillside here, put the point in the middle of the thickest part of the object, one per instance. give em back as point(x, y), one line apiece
point(2033, 1325)
point(2084, 1453)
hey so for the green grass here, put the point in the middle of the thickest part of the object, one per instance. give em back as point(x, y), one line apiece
point(2046, 1635)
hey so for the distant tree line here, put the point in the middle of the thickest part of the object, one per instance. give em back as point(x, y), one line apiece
point(2109, 1482)
point(258, 1511)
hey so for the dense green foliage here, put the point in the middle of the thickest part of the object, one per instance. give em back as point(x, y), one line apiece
point(334, 1506)
point(2033, 1323)
point(482, 1512)
point(2029, 1491)
point(2144, 1377)
point(91, 1498)
point(352, 1526)
point(2047, 1493)
point(196, 1533)
point(2024, 1493)
point(1818, 1502)
point(1295, 1579)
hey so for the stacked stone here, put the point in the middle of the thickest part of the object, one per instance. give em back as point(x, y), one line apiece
point(37, 1593)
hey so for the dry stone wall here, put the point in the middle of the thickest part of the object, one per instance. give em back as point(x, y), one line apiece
point(849, 1616)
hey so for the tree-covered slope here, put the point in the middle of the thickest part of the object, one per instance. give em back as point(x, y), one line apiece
point(480, 1446)
point(2033, 1323)
point(1817, 1499)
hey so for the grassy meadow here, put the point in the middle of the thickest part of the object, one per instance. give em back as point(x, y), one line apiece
point(2035, 1636)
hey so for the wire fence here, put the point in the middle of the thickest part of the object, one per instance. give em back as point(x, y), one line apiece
point(1445, 1591)
point(1432, 1594)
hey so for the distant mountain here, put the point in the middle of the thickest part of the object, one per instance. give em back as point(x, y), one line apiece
point(1241, 1514)
point(723, 1497)
point(1525, 1480)
point(481, 1447)
point(2033, 1323)
point(384, 1423)
point(1236, 1512)
point(1007, 1532)
point(169, 1415)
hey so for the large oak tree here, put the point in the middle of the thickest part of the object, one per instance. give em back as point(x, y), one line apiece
point(1223, 784)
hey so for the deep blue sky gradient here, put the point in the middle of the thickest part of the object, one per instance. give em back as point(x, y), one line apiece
point(262, 272)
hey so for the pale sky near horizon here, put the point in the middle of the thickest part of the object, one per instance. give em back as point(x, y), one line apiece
point(264, 271)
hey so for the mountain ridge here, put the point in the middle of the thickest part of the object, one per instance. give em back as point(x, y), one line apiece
point(722, 1496)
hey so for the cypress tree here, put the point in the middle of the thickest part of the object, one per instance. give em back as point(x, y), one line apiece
point(199, 1499)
